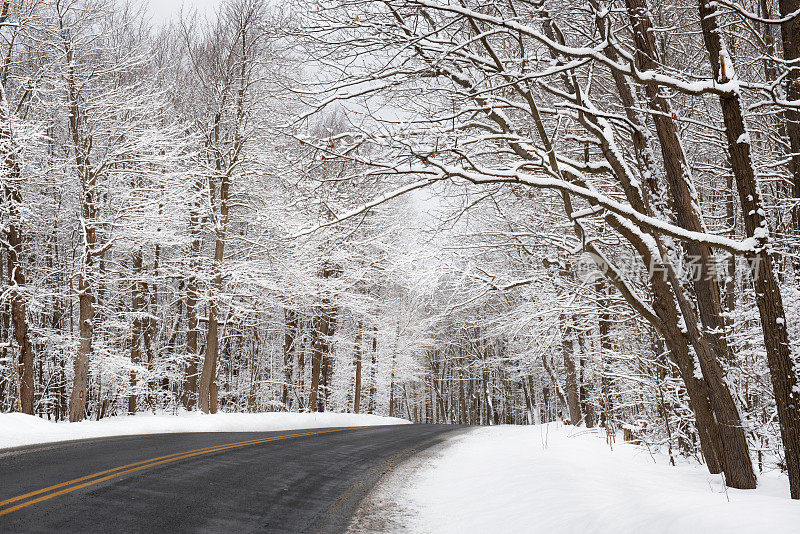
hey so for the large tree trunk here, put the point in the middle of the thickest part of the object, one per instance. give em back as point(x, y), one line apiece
point(790, 38)
point(207, 394)
point(150, 291)
point(664, 305)
point(462, 398)
point(737, 464)
point(302, 347)
point(190, 385)
point(664, 323)
point(207, 390)
point(80, 382)
point(665, 319)
point(320, 365)
point(735, 455)
point(697, 389)
point(679, 179)
point(768, 294)
point(587, 406)
point(19, 320)
point(192, 297)
point(208, 376)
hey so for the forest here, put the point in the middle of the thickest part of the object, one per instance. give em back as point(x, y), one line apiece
point(450, 211)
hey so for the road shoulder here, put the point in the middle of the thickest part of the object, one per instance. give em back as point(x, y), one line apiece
point(380, 509)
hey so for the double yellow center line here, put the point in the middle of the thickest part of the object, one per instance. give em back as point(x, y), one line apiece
point(101, 476)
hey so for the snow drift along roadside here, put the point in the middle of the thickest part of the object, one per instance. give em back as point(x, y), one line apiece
point(20, 429)
point(563, 480)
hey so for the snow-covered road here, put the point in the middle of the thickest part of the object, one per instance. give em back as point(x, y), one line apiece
point(557, 479)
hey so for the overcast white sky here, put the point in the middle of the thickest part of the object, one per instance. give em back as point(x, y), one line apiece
point(163, 10)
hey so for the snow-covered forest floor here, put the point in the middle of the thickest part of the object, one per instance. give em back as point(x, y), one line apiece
point(19, 429)
point(562, 479)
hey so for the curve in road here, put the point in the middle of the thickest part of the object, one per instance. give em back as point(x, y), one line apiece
point(300, 481)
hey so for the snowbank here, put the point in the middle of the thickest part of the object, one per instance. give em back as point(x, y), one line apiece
point(20, 429)
point(557, 479)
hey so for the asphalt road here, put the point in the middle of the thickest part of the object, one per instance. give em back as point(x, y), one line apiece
point(202, 482)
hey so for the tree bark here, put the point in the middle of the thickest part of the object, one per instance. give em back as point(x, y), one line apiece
point(664, 304)
point(289, 342)
point(373, 373)
point(790, 39)
point(667, 324)
point(358, 354)
point(587, 407)
point(710, 342)
point(679, 179)
point(206, 401)
point(136, 337)
point(224, 145)
point(768, 295)
point(192, 297)
point(571, 379)
point(316, 362)
point(326, 373)
point(208, 375)
point(603, 330)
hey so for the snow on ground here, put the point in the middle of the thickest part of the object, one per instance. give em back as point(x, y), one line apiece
point(561, 479)
point(20, 429)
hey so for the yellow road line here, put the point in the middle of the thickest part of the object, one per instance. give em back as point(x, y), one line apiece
point(67, 483)
point(129, 468)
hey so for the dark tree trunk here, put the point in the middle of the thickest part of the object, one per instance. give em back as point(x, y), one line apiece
point(697, 389)
point(326, 379)
point(373, 373)
point(571, 379)
point(603, 330)
point(358, 355)
point(680, 183)
point(136, 337)
point(737, 464)
point(320, 332)
point(768, 294)
point(790, 39)
point(207, 395)
point(192, 298)
point(289, 342)
point(190, 385)
point(208, 384)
